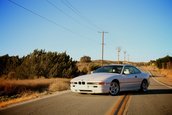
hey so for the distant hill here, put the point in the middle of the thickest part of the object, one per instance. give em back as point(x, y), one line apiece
point(87, 67)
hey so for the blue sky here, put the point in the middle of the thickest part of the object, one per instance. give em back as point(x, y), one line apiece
point(142, 28)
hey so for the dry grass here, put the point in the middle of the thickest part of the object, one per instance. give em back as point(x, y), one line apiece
point(14, 91)
point(163, 75)
point(167, 77)
point(13, 87)
point(158, 72)
point(59, 86)
point(166, 72)
point(24, 97)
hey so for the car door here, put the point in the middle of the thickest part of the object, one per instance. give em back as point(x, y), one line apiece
point(138, 77)
point(130, 78)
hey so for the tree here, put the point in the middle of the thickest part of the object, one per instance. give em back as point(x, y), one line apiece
point(162, 62)
point(93, 67)
point(37, 64)
point(85, 59)
point(9, 63)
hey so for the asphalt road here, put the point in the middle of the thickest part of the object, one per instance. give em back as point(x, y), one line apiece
point(65, 104)
point(158, 101)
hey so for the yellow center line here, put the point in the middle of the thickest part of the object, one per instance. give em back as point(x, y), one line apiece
point(119, 107)
point(122, 108)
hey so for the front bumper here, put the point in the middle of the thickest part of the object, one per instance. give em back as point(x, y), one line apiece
point(89, 88)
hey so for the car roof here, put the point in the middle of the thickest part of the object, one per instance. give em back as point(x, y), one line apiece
point(118, 65)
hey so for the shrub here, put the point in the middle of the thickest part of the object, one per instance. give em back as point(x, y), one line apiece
point(39, 63)
point(85, 59)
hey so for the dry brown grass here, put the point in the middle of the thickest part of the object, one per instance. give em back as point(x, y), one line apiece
point(13, 91)
point(59, 85)
point(24, 97)
point(163, 75)
point(166, 72)
point(158, 72)
point(167, 76)
point(12, 87)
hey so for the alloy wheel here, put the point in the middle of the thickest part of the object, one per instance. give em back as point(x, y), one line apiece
point(114, 88)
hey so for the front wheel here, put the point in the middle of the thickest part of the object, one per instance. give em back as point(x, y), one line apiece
point(114, 88)
point(144, 86)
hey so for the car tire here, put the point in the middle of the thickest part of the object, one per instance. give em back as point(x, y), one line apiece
point(144, 86)
point(114, 88)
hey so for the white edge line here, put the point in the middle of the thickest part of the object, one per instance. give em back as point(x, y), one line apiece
point(162, 83)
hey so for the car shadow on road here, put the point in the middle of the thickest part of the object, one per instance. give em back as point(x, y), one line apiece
point(149, 92)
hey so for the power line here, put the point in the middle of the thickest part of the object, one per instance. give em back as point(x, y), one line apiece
point(77, 12)
point(47, 19)
point(72, 6)
point(85, 18)
point(52, 4)
point(43, 17)
point(69, 5)
point(57, 8)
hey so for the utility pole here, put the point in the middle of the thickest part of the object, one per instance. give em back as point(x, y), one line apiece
point(118, 51)
point(102, 46)
point(125, 56)
point(128, 58)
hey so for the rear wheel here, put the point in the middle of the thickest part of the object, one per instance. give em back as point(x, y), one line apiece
point(144, 86)
point(114, 88)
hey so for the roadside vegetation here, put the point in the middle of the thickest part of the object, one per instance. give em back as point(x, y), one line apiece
point(161, 69)
point(37, 64)
point(86, 65)
point(38, 73)
point(162, 63)
point(13, 91)
point(41, 73)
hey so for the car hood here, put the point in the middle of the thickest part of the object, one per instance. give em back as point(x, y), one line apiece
point(94, 77)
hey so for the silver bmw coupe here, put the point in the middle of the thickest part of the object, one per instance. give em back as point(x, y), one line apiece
point(111, 79)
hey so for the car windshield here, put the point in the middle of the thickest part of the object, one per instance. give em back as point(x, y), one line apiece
point(109, 69)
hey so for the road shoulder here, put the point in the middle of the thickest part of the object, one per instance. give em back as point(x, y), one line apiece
point(36, 99)
point(163, 81)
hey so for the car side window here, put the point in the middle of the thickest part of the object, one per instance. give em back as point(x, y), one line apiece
point(136, 70)
point(126, 71)
point(129, 70)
